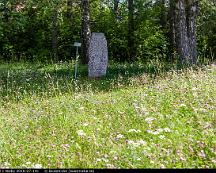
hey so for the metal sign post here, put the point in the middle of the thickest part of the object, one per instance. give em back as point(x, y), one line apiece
point(77, 45)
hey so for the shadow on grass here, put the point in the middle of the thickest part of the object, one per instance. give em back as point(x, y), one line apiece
point(17, 80)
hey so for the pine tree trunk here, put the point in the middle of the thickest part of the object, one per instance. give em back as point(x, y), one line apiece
point(184, 30)
point(86, 32)
point(54, 34)
point(192, 11)
point(131, 47)
point(182, 40)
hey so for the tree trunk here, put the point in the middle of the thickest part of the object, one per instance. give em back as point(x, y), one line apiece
point(69, 10)
point(131, 47)
point(54, 34)
point(86, 32)
point(172, 31)
point(163, 16)
point(115, 9)
point(182, 40)
point(192, 11)
point(183, 29)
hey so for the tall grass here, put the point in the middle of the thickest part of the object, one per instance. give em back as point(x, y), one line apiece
point(138, 116)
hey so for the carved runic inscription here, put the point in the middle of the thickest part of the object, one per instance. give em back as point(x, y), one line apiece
point(98, 55)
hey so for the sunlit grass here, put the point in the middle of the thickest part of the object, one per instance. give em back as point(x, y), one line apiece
point(139, 116)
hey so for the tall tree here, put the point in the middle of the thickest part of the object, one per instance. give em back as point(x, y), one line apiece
point(115, 8)
point(182, 41)
point(192, 11)
point(184, 30)
point(172, 31)
point(54, 33)
point(86, 32)
point(69, 10)
point(163, 15)
point(131, 29)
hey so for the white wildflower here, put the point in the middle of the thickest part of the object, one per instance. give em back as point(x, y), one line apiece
point(141, 142)
point(105, 156)
point(120, 136)
point(150, 119)
point(65, 145)
point(134, 130)
point(130, 142)
point(133, 143)
point(202, 154)
point(161, 136)
point(162, 166)
point(203, 110)
point(6, 163)
point(98, 160)
point(153, 132)
point(81, 133)
point(110, 166)
point(149, 131)
point(115, 158)
point(85, 124)
point(194, 89)
point(182, 158)
point(105, 160)
point(182, 105)
point(28, 163)
point(159, 130)
point(213, 161)
point(37, 166)
point(166, 129)
point(137, 143)
point(138, 159)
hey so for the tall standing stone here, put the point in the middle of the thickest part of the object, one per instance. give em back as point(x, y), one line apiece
point(98, 55)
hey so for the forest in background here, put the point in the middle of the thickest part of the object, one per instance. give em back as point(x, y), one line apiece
point(33, 30)
point(149, 111)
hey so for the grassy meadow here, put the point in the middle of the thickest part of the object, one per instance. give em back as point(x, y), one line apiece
point(138, 116)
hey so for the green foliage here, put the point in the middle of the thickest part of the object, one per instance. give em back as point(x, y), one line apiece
point(26, 29)
point(207, 29)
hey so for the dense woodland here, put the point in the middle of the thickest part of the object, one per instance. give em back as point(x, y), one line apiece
point(155, 108)
point(168, 30)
